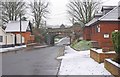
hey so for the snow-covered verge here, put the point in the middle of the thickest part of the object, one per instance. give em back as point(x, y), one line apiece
point(116, 64)
point(11, 48)
point(101, 51)
point(80, 63)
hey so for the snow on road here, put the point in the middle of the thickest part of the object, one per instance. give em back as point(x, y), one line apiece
point(65, 40)
point(11, 48)
point(80, 63)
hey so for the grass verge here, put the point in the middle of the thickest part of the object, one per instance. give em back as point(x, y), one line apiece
point(81, 45)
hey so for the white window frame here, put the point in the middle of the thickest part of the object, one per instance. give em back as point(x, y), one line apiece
point(106, 35)
point(98, 28)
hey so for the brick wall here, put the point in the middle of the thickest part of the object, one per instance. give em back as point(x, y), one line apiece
point(105, 28)
point(113, 69)
point(100, 57)
point(27, 36)
point(86, 33)
point(91, 33)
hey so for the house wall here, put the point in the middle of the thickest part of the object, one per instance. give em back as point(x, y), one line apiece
point(95, 36)
point(18, 38)
point(3, 34)
point(8, 39)
point(86, 33)
point(105, 28)
point(27, 37)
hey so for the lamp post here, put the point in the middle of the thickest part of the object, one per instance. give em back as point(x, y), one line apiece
point(20, 30)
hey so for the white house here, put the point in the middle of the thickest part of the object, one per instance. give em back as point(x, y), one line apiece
point(14, 27)
point(8, 39)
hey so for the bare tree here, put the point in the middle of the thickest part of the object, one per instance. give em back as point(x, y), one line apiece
point(82, 10)
point(40, 10)
point(12, 10)
point(0, 13)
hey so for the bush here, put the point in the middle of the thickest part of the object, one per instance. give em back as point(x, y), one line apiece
point(39, 34)
point(116, 43)
point(37, 39)
point(82, 45)
point(73, 43)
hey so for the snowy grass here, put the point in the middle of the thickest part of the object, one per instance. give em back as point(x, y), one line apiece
point(81, 45)
point(80, 63)
point(57, 39)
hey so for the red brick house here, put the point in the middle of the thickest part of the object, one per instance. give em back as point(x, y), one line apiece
point(100, 28)
point(14, 27)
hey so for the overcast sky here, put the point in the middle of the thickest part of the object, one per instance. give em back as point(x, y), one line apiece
point(58, 9)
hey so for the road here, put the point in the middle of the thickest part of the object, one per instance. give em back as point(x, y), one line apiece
point(32, 62)
point(64, 41)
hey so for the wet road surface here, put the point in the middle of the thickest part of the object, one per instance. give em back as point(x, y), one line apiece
point(32, 62)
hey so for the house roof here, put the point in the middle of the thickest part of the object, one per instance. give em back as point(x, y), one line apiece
point(107, 8)
point(95, 19)
point(2, 29)
point(92, 21)
point(14, 26)
point(110, 16)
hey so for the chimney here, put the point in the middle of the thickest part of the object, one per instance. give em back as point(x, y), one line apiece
point(106, 9)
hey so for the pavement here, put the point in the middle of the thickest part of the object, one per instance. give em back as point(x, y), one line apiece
point(79, 63)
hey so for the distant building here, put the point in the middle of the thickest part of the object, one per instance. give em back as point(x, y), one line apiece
point(100, 28)
point(14, 27)
point(62, 26)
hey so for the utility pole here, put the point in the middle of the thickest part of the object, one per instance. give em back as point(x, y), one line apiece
point(45, 24)
point(20, 30)
point(73, 20)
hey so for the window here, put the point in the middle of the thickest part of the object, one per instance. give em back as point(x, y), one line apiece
point(106, 35)
point(1, 38)
point(98, 28)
